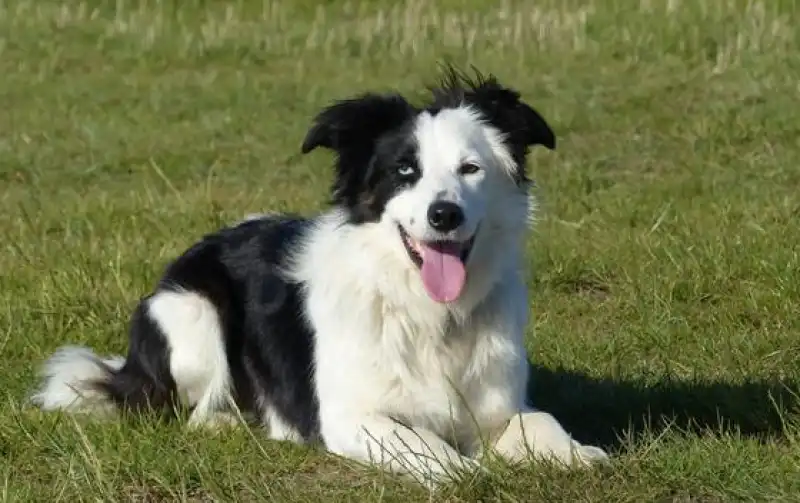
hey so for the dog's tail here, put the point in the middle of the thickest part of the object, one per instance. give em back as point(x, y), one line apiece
point(74, 379)
point(77, 380)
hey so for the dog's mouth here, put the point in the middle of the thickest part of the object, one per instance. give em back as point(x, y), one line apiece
point(442, 265)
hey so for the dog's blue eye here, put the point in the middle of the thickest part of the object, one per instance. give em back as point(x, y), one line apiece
point(406, 170)
point(468, 168)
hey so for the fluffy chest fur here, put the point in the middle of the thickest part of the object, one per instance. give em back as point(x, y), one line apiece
point(381, 345)
point(451, 378)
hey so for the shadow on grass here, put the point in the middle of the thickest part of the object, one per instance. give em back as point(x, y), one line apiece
point(604, 411)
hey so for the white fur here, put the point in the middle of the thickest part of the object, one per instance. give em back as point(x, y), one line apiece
point(278, 428)
point(403, 381)
point(198, 362)
point(257, 216)
point(65, 378)
point(446, 141)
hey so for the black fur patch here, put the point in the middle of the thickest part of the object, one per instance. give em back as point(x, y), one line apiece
point(144, 383)
point(357, 129)
point(268, 342)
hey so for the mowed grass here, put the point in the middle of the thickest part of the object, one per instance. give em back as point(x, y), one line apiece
point(664, 268)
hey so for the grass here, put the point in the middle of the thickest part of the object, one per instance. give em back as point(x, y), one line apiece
point(665, 272)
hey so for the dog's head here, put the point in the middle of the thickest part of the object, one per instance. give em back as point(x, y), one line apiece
point(446, 176)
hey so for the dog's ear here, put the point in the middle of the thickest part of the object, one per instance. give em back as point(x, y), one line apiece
point(521, 125)
point(357, 122)
point(536, 131)
point(504, 109)
point(500, 105)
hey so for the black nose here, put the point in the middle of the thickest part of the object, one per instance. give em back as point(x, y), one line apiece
point(445, 216)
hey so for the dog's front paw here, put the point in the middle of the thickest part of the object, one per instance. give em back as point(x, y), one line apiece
point(538, 435)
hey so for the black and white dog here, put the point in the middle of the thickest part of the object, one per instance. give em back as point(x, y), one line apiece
point(389, 327)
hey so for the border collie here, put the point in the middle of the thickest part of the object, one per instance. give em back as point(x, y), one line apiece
point(389, 327)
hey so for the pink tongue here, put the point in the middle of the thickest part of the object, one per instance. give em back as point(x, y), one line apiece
point(443, 273)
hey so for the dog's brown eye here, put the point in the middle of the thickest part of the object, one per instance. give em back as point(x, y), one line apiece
point(468, 168)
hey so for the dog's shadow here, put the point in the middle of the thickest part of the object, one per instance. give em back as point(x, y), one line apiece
point(605, 412)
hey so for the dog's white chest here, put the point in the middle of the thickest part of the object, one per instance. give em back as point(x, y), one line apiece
point(443, 383)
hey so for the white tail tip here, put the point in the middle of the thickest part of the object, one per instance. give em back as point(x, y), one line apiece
point(66, 377)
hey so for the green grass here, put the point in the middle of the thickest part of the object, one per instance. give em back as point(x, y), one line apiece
point(665, 271)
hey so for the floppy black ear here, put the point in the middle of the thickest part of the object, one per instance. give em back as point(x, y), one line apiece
point(357, 122)
point(503, 107)
point(500, 105)
point(536, 131)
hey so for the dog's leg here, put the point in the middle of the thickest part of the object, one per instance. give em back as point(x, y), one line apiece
point(380, 440)
point(537, 434)
point(190, 325)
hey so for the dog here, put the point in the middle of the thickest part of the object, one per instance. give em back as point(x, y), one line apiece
point(389, 327)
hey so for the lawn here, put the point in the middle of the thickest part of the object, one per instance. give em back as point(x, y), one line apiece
point(664, 268)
